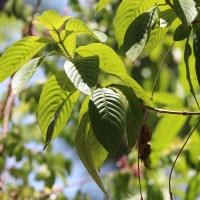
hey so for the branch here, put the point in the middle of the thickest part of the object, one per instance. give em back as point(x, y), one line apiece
point(173, 112)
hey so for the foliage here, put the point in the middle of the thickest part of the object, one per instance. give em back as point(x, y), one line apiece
point(114, 104)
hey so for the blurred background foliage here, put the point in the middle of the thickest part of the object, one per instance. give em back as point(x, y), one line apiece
point(28, 174)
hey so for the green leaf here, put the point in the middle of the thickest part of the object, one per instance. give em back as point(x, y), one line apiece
point(163, 135)
point(185, 10)
point(25, 73)
point(18, 54)
point(109, 60)
point(138, 33)
point(84, 150)
point(52, 20)
point(187, 54)
point(126, 13)
point(76, 26)
point(166, 18)
point(134, 115)
point(182, 32)
point(83, 72)
point(102, 4)
point(56, 104)
point(107, 116)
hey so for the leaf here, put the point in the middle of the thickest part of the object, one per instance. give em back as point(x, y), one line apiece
point(83, 149)
point(76, 26)
point(134, 115)
point(109, 60)
point(25, 73)
point(19, 53)
point(166, 18)
point(187, 54)
point(56, 104)
point(163, 135)
point(83, 72)
point(102, 4)
point(138, 33)
point(126, 13)
point(107, 116)
point(182, 32)
point(185, 10)
point(52, 20)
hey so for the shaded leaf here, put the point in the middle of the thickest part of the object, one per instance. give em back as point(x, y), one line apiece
point(56, 104)
point(126, 13)
point(83, 72)
point(102, 4)
point(19, 53)
point(83, 149)
point(182, 32)
point(109, 60)
point(138, 33)
point(185, 10)
point(187, 54)
point(107, 116)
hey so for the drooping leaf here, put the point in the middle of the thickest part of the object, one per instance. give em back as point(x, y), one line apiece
point(107, 116)
point(56, 104)
point(134, 115)
point(126, 13)
point(196, 49)
point(84, 150)
point(109, 60)
point(102, 4)
point(52, 20)
point(138, 33)
point(185, 10)
point(187, 54)
point(166, 18)
point(164, 134)
point(182, 32)
point(76, 26)
point(25, 73)
point(19, 53)
point(83, 72)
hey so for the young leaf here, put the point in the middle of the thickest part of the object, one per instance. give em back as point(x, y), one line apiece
point(76, 26)
point(25, 73)
point(52, 20)
point(102, 4)
point(83, 72)
point(138, 33)
point(187, 54)
point(109, 60)
point(56, 104)
point(182, 32)
point(126, 13)
point(107, 116)
point(134, 115)
point(185, 10)
point(83, 147)
point(18, 54)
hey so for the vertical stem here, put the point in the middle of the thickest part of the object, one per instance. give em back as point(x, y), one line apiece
point(138, 166)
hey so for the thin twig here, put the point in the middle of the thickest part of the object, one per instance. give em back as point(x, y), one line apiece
point(158, 74)
point(138, 168)
point(170, 175)
point(173, 112)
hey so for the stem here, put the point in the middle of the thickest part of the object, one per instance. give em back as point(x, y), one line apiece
point(158, 74)
point(169, 3)
point(170, 175)
point(138, 166)
point(173, 112)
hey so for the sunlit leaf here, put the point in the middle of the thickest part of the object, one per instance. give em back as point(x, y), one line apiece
point(126, 13)
point(185, 10)
point(56, 104)
point(107, 116)
point(82, 143)
point(102, 4)
point(83, 72)
point(109, 60)
point(18, 54)
point(138, 33)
